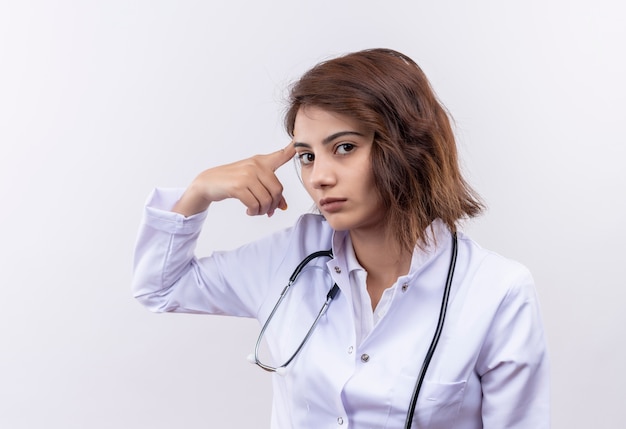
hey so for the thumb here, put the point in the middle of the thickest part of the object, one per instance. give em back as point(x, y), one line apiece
point(282, 204)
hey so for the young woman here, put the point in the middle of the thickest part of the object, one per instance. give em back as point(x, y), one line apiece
point(417, 325)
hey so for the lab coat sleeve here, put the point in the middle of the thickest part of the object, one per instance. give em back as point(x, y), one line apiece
point(513, 363)
point(168, 277)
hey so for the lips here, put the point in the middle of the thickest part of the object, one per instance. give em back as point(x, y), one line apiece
point(331, 204)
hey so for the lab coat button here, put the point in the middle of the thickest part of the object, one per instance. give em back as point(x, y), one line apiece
point(338, 270)
point(405, 286)
point(339, 420)
point(365, 357)
point(350, 350)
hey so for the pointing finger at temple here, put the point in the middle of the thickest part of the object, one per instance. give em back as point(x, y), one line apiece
point(280, 157)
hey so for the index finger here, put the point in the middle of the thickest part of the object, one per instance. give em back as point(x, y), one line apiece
point(280, 157)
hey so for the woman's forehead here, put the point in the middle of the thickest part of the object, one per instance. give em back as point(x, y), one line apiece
point(314, 122)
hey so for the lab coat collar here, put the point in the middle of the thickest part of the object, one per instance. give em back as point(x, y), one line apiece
point(437, 235)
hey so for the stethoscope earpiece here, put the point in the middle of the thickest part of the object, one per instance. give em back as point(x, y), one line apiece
point(282, 371)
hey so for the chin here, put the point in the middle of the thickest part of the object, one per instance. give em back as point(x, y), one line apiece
point(335, 223)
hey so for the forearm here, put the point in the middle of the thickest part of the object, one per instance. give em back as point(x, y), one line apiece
point(164, 249)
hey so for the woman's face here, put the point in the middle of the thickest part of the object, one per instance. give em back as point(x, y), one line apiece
point(334, 152)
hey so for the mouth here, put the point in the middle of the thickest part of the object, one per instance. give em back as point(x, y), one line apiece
point(331, 205)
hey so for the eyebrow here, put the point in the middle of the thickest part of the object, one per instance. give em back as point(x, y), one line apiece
point(331, 137)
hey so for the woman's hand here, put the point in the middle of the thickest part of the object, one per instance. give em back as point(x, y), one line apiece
point(252, 181)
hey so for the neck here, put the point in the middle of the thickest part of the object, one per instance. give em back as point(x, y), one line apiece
point(383, 258)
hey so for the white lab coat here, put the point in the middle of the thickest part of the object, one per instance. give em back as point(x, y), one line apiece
point(490, 369)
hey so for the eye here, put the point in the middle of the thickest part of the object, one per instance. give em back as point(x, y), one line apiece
point(344, 148)
point(305, 158)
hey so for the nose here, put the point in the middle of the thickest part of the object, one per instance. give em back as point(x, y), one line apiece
point(322, 173)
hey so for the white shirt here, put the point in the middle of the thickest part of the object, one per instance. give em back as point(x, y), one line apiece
point(359, 368)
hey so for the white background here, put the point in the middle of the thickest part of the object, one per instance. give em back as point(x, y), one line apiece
point(102, 100)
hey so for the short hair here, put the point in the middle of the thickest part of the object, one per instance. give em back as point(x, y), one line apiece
point(414, 155)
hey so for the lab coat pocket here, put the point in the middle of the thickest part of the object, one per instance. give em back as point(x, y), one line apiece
point(438, 404)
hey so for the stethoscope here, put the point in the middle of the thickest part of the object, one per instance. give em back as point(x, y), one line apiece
point(332, 293)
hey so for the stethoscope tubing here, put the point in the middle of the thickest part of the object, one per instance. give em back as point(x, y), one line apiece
point(437, 335)
point(332, 293)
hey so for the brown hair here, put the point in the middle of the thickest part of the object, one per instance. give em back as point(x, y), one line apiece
point(414, 155)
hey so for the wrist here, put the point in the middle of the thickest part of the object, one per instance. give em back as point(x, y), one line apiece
point(191, 202)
